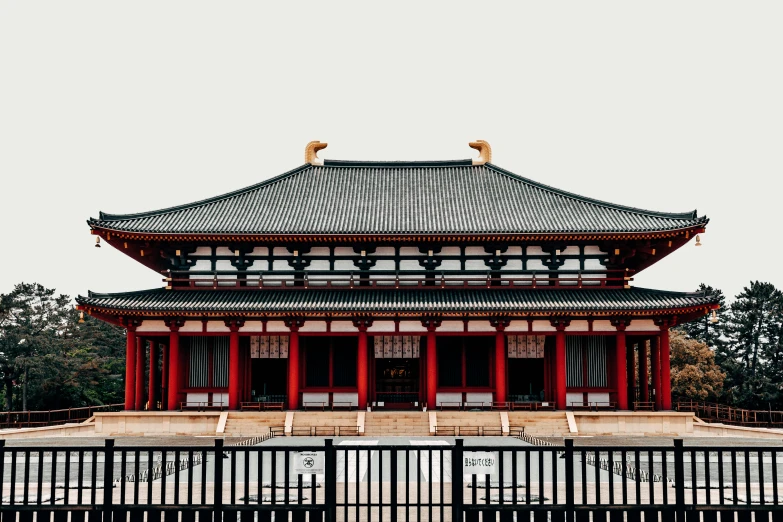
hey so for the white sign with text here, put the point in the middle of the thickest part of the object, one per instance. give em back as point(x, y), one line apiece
point(479, 462)
point(308, 463)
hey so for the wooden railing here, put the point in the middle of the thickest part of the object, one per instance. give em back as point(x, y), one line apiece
point(33, 419)
point(385, 279)
point(713, 412)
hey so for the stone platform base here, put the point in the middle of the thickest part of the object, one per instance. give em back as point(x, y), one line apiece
point(250, 424)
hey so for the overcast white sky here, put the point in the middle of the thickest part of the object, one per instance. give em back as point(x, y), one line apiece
point(134, 106)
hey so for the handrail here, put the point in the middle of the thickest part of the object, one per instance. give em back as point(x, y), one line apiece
point(226, 279)
point(39, 418)
point(732, 415)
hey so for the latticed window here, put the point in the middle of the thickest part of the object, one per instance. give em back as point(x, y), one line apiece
point(208, 361)
point(586, 361)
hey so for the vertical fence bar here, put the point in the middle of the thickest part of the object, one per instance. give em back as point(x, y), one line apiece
point(218, 488)
point(456, 481)
point(330, 478)
point(569, 479)
point(393, 484)
point(108, 478)
point(679, 480)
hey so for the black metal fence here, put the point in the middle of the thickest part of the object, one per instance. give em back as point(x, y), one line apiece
point(427, 480)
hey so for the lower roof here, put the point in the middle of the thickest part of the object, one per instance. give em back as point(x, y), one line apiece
point(484, 301)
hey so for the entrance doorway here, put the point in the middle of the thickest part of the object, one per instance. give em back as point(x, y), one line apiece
point(397, 383)
point(269, 378)
point(526, 380)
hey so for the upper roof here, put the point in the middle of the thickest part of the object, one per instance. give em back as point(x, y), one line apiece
point(398, 198)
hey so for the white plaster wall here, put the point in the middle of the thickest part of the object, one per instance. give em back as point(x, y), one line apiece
point(572, 397)
point(192, 326)
point(344, 251)
point(353, 398)
point(480, 326)
point(152, 326)
point(313, 326)
point(223, 251)
point(452, 326)
point(642, 325)
point(591, 250)
point(217, 326)
point(603, 326)
point(410, 251)
point(475, 251)
point(517, 326)
point(578, 326)
point(318, 251)
point(384, 251)
point(534, 251)
point(411, 326)
point(276, 326)
point(260, 251)
point(450, 251)
point(442, 397)
point(543, 326)
point(381, 326)
point(343, 326)
point(252, 326)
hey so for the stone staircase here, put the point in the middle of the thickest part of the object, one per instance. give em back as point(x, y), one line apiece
point(396, 424)
point(540, 423)
point(469, 423)
point(252, 424)
point(333, 423)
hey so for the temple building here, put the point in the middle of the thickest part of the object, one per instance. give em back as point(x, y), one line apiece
point(398, 285)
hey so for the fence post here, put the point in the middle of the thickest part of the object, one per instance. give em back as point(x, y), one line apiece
point(569, 479)
point(456, 481)
point(108, 479)
point(679, 480)
point(330, 476)
point(218, 501)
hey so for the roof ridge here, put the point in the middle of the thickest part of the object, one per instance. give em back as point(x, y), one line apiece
point(103, 216)
point(674, 215)
point(403, 163)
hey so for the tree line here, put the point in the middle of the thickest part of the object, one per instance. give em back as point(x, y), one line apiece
point(50, 358)
point(738, 359)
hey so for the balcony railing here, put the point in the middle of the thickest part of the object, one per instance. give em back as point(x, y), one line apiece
point(387, 279)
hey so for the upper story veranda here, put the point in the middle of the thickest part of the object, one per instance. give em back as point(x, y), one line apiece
point(394, 224)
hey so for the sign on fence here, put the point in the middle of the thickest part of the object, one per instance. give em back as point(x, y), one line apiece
point(308, 463)
point(479, 462)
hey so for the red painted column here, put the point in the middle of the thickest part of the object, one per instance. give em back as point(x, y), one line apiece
point(164, 377)
point(666, 382)
point(432, 362)
point(655, 365)
point(361, 367)
point(560, 368)
point(293, 363)
point(173, 365)
point(644, 376)
point(500, 360)
point(130, 368)
point(153, 370)
point(631, 360)
point(622, 377)
point(234, 379)
point(141, 349)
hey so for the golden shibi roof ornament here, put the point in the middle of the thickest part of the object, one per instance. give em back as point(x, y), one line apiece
point(311, 152)
point(485, 151)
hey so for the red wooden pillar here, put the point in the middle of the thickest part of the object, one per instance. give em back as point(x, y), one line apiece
point(621, 379)
point(655, 365)
point(293, 363)
point(432, 362)
point(362, 371)
point(560, 362)
point(141, 349)
point(153, 370)
point(130, 367)
point(644, 377)
point(500, 359)
point(174, 365)
point(164, 376)
point(631, 360)
point(234, 377)
point(666, 383)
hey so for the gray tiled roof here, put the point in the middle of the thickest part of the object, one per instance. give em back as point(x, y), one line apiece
point(400, 300)
point(452, 197)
